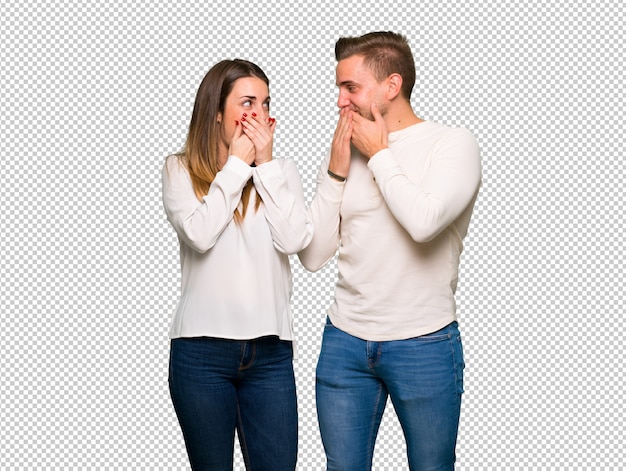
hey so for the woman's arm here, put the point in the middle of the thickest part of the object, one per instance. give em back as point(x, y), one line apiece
point(200, 223)
point(279, 185)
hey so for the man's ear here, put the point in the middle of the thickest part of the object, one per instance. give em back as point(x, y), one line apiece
point(394, 86)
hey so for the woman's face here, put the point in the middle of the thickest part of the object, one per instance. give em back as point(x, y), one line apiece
point(248, 95)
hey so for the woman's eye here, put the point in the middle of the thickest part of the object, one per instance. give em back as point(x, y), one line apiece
point(247, 103)
point(266, 106)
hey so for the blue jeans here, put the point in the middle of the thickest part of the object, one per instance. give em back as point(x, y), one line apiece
point(220, 385)
point(424, 378)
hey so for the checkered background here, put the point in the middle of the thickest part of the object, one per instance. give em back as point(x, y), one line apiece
point(94, 95)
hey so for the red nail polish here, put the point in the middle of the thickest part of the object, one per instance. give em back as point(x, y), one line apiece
point(236, 123)
point(244, 115)
point(243, 119)
point(253, 114)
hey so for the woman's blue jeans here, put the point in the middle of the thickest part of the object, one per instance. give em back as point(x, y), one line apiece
point(220, 385)
point(422, 375)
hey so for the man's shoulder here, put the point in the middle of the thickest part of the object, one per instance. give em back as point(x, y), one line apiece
point(439, 132)
point(436, 127)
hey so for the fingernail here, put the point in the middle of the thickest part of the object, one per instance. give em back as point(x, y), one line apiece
point(243, 119)
point(236, 123)
point(253, 114)
point(245, 114)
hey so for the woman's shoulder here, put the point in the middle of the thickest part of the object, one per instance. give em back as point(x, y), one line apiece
point(175, 167)
point(175, 162)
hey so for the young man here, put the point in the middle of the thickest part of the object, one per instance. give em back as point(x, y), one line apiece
point(394, 196)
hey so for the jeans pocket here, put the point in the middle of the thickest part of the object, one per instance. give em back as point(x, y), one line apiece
point(434, 337)
point(437, 336)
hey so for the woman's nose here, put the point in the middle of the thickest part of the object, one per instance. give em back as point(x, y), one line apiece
point(262, 111)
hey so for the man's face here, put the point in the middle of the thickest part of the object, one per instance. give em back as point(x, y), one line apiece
point(358, 88)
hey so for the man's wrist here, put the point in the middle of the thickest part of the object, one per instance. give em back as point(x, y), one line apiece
point(375, 151)
point(335, 176)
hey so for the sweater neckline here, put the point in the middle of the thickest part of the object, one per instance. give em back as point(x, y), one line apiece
point(397, 135)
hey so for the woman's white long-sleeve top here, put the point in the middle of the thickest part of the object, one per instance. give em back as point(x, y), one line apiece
point(236, 278)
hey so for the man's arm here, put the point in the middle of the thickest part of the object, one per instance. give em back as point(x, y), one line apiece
point(449, 185)
point(324, 211)
point(326, 205)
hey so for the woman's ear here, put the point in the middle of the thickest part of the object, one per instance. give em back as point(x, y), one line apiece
point(219, 117)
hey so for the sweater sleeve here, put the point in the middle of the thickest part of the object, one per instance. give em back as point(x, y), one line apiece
point(278, 183)
point(200, 223)
point(449, 185)
point(325, 214)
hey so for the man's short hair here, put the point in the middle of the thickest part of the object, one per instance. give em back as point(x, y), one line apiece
point(385, 53)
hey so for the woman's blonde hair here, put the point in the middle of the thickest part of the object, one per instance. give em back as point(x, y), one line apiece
point(200, 154)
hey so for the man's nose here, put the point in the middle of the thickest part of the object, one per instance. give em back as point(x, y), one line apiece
point(342, 101)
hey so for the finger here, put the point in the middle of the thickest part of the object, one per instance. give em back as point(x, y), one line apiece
point(254, 126)
point(256, 122)
point(254, 131)
point(346, 127)
point(375, 112)
point(238, 130)
point(260, 134)
point(357, 118)
point(345, 119)
point(271, 126)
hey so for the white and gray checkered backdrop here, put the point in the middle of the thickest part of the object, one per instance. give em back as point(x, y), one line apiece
point(96, 94)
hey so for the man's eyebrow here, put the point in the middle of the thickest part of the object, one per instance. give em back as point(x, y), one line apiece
point(346, 83)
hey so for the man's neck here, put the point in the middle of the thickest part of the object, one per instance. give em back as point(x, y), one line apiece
point(400, 117)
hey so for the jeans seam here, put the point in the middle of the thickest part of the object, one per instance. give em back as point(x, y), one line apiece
point(374, 429)
point(250, 362)
point(242, 440)
point(455, 364)
point(456, 376)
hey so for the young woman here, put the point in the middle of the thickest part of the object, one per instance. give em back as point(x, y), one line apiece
point(238, 213)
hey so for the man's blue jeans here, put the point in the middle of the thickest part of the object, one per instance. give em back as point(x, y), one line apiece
point(424, 378)
point(218, 385)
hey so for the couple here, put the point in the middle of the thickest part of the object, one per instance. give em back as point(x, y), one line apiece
point(394, 196)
